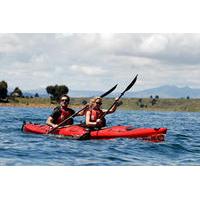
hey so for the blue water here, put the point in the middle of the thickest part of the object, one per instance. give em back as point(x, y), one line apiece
point(181, 146)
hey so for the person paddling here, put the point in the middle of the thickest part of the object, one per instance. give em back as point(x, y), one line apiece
point(62, 112)
point(94, 114)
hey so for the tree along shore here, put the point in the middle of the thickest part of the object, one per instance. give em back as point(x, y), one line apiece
point(147, 104)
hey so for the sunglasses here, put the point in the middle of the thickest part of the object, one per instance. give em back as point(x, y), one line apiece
point(65, 100)
point(99, 103)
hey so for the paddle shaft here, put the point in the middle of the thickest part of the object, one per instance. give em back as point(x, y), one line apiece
point(72, 116)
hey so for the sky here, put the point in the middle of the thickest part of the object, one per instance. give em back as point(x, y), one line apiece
point(90, 61)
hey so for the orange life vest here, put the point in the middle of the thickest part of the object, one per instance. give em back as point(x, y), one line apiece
point(97, 114)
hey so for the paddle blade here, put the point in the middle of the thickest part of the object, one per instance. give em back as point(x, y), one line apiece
point(131, 84)
point(109, 91)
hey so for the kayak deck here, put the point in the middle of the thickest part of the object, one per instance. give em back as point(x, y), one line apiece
point(76, 131)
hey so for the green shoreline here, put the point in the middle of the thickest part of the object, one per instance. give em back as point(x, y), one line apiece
point(180, 105)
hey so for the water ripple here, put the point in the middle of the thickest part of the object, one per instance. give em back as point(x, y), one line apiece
point(182, 145)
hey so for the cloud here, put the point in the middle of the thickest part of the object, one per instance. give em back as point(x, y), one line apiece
point(88, 70)
point(154, 44)
point(35, 60)
point(9, 43)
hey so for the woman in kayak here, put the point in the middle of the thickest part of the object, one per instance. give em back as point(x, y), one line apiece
point(94, 115)
point(61, 113)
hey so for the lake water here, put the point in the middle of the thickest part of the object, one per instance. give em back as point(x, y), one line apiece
point(181, 146)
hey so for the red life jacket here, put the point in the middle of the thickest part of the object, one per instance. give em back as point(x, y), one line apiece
point(64, 115)
point(96, 114)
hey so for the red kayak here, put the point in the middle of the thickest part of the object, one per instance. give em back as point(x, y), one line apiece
point(76, 131)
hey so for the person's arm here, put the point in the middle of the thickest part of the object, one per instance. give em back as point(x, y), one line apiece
point(55, 114)
point(114, 107)
point(83, 112)
point(50, 122)
point(89, 123)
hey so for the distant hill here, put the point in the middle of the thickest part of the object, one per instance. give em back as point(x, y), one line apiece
point(166, 91)
point(41, 91)
point(84, 93)
point(72, 93)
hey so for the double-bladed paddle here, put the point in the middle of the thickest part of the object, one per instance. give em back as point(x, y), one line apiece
point(127, 88)
point(84, 108)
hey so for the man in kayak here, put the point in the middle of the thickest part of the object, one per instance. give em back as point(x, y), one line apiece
point(94, 115)
point(62, 112)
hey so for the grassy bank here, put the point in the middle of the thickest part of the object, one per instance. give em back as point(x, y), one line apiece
point(186, 105)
